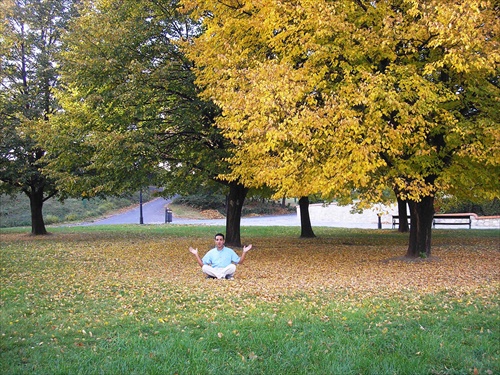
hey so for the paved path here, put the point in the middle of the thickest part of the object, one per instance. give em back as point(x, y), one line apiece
point(153, 212)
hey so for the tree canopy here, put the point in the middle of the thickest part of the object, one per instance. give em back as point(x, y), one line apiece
point(130, 112)
point(329, 97)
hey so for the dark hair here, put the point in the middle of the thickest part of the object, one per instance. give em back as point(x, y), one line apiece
point(219, 234)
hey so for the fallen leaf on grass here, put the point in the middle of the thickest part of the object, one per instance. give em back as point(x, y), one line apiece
point(143, 274)
point(252, 356)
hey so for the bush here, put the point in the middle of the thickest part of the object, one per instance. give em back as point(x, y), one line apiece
point(203, 201)
point(105, 207)
point(217, 202)
point(51, 219)
point(71, 217)
point(488, 208)
point(255, 211)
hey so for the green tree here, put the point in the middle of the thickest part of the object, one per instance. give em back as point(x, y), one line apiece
point(29, 43)
point(132, 115)
point(334, 96)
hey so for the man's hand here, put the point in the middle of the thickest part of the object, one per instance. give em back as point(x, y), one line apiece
point(195, 253)
point(247, 248)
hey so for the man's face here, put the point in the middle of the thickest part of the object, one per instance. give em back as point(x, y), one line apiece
point(219, 242)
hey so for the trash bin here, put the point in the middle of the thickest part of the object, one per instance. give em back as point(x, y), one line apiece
point(168, 215)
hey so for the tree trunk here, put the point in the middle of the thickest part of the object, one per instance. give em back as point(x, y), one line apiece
point(306, 230)
point(236, 197)
point(36, 205)
point(403, 215)
point(421, 214)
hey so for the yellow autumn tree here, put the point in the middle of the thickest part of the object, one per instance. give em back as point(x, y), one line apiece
point(328, 97)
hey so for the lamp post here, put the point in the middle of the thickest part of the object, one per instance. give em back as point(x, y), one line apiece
point(141, 218)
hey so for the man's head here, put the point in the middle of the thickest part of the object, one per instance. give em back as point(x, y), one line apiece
point(219, 241)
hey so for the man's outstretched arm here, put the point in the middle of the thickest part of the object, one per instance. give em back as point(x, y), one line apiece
point(195, 253)
point(246, 249)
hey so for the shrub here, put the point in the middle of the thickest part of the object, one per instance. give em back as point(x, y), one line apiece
point(203, 201)
point(71, 217)
point(487, 208)
point(105, 207)
point(217, 202)
point(51, 219)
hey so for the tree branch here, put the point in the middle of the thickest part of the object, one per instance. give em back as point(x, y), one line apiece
point(363, 6)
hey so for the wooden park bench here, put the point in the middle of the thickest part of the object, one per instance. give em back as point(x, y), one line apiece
point(442, 219)
point(452, 219)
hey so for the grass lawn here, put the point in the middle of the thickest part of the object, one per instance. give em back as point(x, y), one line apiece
point(132, 300)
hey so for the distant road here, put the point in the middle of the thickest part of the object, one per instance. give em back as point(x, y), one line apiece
point(153, 212)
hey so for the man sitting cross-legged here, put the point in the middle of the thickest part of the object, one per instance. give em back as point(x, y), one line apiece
point(220, 262)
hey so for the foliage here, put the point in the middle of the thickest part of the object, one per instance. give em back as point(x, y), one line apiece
point(131, 113)
point(202, 201)
point(30, 42)
point(487, 208)
point(252, 206)
point(319, 96)
point(130, 299)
